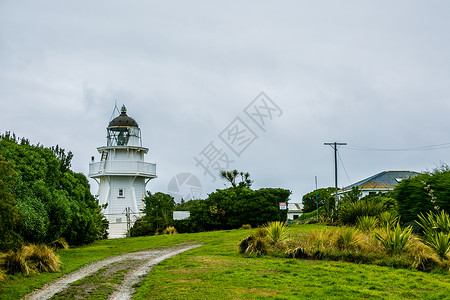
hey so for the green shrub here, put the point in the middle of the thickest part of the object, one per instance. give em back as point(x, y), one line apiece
point(10, 240)
point(367, 223)
point(395, 240)
point(388, 219)
point(277, 231)
point(142, 227)
point(310, 215)
point(183, 226)
point(349, 212)
point(423, 193)
point(246, 226)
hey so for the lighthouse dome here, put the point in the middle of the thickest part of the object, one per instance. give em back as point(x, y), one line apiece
point(123, 120)
point(123, 131)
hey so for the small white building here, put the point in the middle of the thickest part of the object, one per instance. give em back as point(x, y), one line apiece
point(122, 174)
point(295, 210)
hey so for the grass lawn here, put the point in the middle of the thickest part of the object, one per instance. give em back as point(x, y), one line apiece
point(216, 270)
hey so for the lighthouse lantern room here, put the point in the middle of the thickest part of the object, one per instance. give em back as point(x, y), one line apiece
point(122, 174)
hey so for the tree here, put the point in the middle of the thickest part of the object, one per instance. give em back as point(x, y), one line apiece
point(352, 196)
point(231, 177)
point(423, 193)
point(51, 200)
point(158, 216)
point(159, 207)
point(324, 195)
point(233, 207)
point(8, 211)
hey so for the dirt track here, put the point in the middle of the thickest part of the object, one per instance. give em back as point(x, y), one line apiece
point(117, 273)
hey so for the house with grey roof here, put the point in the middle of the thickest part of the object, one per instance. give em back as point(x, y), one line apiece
point(381, 182)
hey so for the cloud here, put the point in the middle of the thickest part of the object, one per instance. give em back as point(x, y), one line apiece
point(367, 73)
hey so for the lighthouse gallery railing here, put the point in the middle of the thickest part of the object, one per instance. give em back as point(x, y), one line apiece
point(121, 167)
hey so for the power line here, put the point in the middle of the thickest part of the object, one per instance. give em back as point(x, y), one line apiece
point(420, 148)
point(346, 174)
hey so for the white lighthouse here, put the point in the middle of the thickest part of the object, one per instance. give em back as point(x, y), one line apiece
point(122, 174)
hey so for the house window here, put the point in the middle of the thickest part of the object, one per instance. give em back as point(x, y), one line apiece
point(121, 195)
point(372, 193)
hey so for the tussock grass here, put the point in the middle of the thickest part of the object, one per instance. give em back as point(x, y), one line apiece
point(170, 230)
point(30, 259)
point(347, 239)
point(59, 244)
point(246, 226)
point(14, 262)
point(258, 246)
point(41, 258)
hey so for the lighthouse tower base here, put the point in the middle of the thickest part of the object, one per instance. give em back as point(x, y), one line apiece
point(120, 224)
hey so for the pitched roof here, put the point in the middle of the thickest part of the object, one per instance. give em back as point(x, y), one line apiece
point(295, 206)
point(383, 180)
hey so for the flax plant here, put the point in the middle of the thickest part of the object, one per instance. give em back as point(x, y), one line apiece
point(277, 232)
point(395, 240)
point(388, 219)
point(436, 232)
point(367, 223)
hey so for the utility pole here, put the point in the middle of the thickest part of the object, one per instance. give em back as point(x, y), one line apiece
point(317, 201)
point(127, 214)
point(334, 146)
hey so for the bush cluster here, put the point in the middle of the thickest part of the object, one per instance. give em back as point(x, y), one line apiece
point(41, 199)
point(423, 193)
point(231, 208)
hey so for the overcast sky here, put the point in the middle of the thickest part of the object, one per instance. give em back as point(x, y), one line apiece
point(373, 74)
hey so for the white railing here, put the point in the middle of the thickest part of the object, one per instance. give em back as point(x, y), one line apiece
point(121, 167)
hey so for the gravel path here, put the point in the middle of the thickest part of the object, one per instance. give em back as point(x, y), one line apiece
point(147, 259)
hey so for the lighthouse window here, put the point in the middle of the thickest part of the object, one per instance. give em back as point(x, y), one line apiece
point(120, 192)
